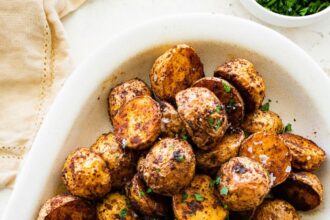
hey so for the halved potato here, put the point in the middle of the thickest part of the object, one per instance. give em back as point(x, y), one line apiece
point(204, 116)
point(115, 206)
point(119, 160)
point(228, 95)
point(177, 69)
point(306, 155)
point(262, 121)
point(228, 147)
point(243, 75)
point(270, 151)
point(137, 123)
point(122, 93)
point(171, 123)
point(303, 190)
point(67, 207)
point(276, 210)
point(86, 174)
point(198, 202)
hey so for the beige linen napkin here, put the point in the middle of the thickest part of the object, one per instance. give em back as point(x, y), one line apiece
point(34, 62)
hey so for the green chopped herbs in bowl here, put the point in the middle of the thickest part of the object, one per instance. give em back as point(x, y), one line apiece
point(295, 7)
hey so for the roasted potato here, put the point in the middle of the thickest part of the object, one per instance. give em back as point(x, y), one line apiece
point(276, 210)
point(303, 190)
point(137, 123)
point(244, 184)
point(115, 206)
point(228, 147)
point(169, 166)
point(204, 116)
point(228, 95)
point(119, 160)
point(243, 75)
point(144, 200)
point(270, 151)
point(198, 202)
point(306, 155)
point(267, 121)
point(125, 92)
point(86, 174)
point(67, 207)
point(171, 123)
point(175, 70)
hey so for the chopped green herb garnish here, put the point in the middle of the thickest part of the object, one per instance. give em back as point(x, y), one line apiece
point(226, 87)
point(210, 121)
point(218, 109)
point(184, 137)
point(215, 182)
point(149, 190)
point(287, 128)
point(225, 206)
point(218, 123)
point(178, 156)
point(246, 134)
point(224, 191)
point(184, 196)
point(141, 193)
point(199, 197)
point(265, 107)
point(123, 213)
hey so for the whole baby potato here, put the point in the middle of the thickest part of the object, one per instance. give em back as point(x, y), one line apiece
point(267, 121)
point(276, 210)
point(171, 123)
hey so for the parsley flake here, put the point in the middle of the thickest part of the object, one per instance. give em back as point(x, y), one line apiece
point(265, 107)
point(226, 87)
point(123, 213)
point(287, 128)
point(184, 196)
point(141, 193)
point(218, 123)
point(178, 156)
point(215, 182)
point(218, 109)
point(199, 197)
point(149, 190)
point(224, 191)
point(184, 137)
point(210, 121)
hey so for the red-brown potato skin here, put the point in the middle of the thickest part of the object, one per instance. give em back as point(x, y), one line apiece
point(175, 70)
point(275, 210)
point(203, 115)
point(171, 123)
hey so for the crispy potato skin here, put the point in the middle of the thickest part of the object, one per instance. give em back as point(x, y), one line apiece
point(125, 92)
point(247, 183)
point(276, 210)
point(177, 69)
point(244, 76)
point(171, 123)
point(67, 207)
point(228, 95)
point(86, 174)
point(120, 161)
point(204, 116)
point(169, 166)
point(306, 155)
point(191, 209)
point(112, 206)
point(303, 190)
point(270, 151)
point(146, 203)
point(138, 123)
point(262, 121)
point(228, 147)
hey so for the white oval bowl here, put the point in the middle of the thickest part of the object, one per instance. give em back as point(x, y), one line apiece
point(283, 20)
point(296, 84)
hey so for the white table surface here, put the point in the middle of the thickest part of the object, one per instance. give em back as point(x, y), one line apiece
point(98, 20)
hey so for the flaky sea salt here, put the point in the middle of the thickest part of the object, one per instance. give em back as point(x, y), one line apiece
point(263, 158)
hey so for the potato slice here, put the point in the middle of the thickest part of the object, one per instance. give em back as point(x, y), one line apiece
point(124, 92)
point(276, 210)
point(67, 207)
point(177, 69)
point(262, 121)
point(306, 155)
point(243, 75)
point(198, 202)
point(204, 116)
point(303, 190)
point(137, 123)
point(228, 95)
point(270, 151)
point(171, 123)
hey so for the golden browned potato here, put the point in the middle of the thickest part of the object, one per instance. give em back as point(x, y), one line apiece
point(204, 116)
point(228, 95)
point(169, 166)
point(306, 155)
point(124, 92)
point(267, 121)
point(303, 190)
point(198, 201)
point(144, 200)
point(115, 206)
point(171, 123)
point(119, 160)
point(276, 210)
point(244, 184)
point(270, 151)
point(137, 123)
point(86, 174)
point(244, 76)
point(67, 207)
point(210, 161)
point(177, 69)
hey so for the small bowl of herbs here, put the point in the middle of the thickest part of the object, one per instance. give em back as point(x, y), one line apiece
point(289, 13)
